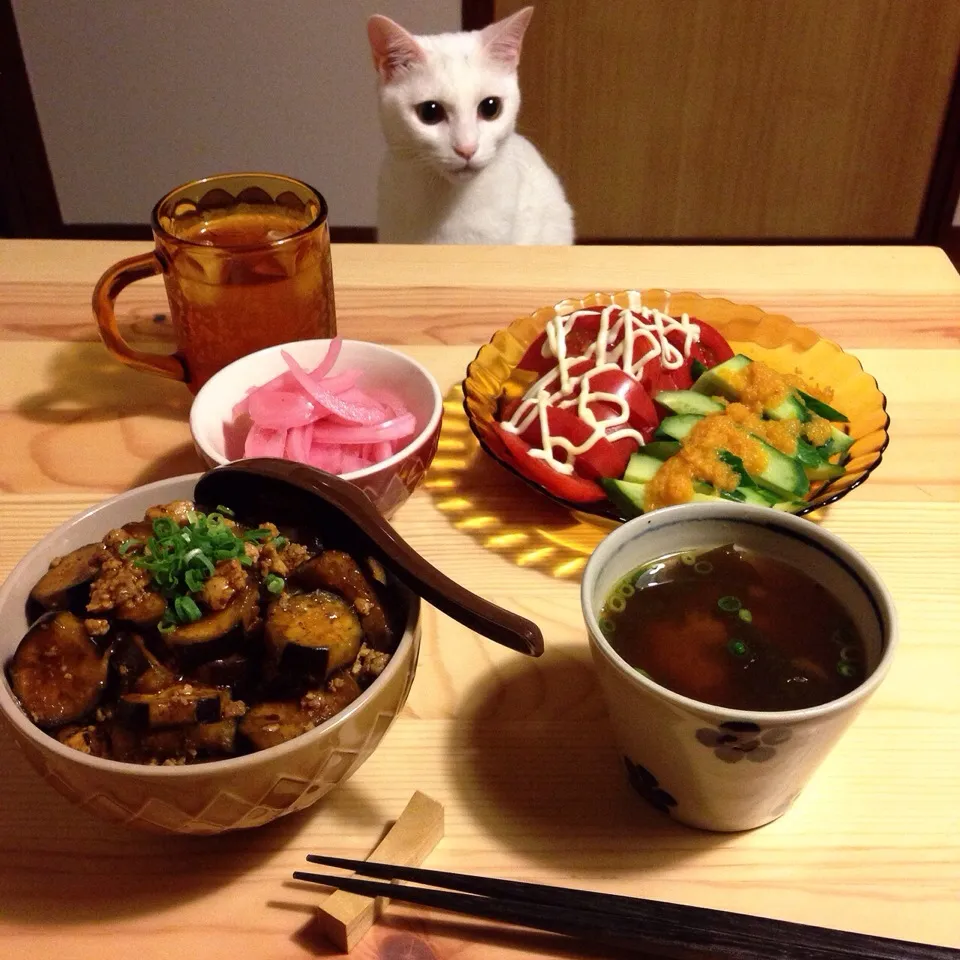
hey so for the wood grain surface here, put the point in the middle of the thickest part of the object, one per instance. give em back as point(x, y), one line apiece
point(739, 118)
point(518, 751)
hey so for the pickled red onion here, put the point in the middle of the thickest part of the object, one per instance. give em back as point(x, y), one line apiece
point(323, 418)
point(346, 409)
point(395, 429)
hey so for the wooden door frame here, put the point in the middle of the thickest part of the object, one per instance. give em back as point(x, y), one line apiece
point(29, 206)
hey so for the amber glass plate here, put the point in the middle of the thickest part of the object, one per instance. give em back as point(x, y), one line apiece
point(774, 339)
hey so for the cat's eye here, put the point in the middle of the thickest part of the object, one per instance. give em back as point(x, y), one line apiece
point(430, 112)
point(489, 108)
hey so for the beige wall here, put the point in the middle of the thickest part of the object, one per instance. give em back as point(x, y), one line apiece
point(136, 96)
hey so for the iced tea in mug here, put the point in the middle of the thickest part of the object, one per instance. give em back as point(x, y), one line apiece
point(246, 262)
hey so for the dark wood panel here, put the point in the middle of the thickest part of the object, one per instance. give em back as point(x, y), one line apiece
point(740, 118)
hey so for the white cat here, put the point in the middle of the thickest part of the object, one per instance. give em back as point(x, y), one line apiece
point(455, 170)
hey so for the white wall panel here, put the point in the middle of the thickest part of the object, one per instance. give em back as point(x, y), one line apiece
point(135, 97)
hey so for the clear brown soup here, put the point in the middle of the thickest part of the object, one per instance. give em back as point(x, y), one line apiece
point(736, 629)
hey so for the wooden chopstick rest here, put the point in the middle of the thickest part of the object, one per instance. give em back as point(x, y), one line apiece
point(346, 917)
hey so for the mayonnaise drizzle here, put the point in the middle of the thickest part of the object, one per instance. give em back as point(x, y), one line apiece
point(636, 329)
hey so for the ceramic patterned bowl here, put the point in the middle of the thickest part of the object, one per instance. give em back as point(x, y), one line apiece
point(774, 339)
point(388, 483)
point(715, 767)
point(207, 798)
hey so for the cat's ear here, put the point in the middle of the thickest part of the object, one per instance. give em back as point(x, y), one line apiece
point(502, 40)
point(393, 48)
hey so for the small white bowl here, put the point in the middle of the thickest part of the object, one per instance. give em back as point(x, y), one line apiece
point(388, 483)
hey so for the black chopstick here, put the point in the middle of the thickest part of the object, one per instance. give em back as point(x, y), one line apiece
point(660, 928)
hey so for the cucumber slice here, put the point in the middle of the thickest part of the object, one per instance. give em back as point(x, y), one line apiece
point(808, 454)
point(713, 384)
point(688, 401)
point(625, 496)
point(677, 426)
point(824, 471)
point(641, 468)
point(661, 449)
point(755, 496)
point(822, 409)
point(782, 475)
point(790, 408)
point(839, 442)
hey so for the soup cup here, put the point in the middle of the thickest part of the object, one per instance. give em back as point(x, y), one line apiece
point(709, 766)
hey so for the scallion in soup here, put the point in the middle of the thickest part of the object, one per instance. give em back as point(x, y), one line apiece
point(735, 628)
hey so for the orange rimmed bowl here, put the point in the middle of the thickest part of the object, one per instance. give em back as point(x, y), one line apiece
point(772, 338)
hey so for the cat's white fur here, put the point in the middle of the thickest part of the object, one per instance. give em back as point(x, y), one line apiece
point(465, 179)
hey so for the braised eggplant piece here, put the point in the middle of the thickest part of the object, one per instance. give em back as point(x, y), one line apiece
point(176, 706)
point(197, 741)
point(128, 661)
point(336, 570)
point(312, 634)
point(211, 637)
point(158, 675)
point(57, 672)
point(235, 673)
point(76, 568)
point(276, 721)
point(138, 530)
point(89, 739)
point(144, 610)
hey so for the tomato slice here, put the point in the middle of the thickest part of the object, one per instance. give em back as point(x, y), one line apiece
point(572, 487)
point(581, 337)
point(711, 349)
point(643, 413)
point(606, 458)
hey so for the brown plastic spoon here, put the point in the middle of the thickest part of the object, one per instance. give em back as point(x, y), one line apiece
point(262, 483)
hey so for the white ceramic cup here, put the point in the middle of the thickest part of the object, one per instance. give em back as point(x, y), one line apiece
point(708, 766)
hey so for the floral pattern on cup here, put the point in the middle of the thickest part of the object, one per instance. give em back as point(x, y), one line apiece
point(645, 783)
point(734, 740)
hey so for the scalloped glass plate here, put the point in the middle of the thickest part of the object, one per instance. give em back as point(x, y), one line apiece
point(772, 338)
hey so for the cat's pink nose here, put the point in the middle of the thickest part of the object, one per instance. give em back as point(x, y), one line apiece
point(466, 150)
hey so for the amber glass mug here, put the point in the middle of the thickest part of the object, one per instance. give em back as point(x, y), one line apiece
point(246, 262)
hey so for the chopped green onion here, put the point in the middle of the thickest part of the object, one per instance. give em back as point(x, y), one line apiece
point(737, 647)
point(745, 615)
point(186, 609)
point(703, 567)
point(245, 561)
point(280, 542)
point(194, 580)
point(688, 559)
point(846, 669)
point(729, 604)
point(164, 527)
point(273, 583)
point(261, 533)
point(226, 511)
point(127, 545)
point(166, 627)
point(192, 516)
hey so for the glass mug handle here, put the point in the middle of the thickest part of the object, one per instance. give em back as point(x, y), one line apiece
point(108, 288)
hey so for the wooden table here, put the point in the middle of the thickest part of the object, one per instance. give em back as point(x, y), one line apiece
point(518, 750)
